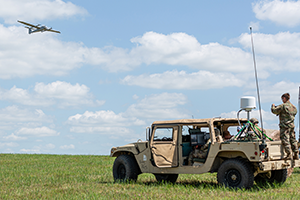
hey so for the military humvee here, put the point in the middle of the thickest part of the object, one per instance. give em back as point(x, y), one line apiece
point(238, 161)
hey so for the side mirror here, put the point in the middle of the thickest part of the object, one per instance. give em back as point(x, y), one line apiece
point(148, 129)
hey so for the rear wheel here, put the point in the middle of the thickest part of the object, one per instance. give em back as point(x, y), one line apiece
point(235, 173)
point(171, 178)
point(271, 177)
point(125, 168)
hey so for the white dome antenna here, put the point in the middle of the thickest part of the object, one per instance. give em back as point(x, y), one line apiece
point(247, 104)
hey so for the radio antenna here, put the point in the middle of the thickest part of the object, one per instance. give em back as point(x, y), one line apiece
point(299, 114)
point(257, 88)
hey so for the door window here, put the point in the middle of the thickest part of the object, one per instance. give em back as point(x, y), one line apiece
point(163, 134)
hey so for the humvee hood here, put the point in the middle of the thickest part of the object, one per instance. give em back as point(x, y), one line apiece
point(134, 148)
point(126, 146)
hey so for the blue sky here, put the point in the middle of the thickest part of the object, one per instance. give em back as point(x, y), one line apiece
point(117, 66)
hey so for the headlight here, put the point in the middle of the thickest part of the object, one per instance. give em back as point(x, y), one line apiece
point(113, 150)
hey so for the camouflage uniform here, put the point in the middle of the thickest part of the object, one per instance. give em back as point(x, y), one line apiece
point(287, 112)
point(258, 131)
point(199, 153)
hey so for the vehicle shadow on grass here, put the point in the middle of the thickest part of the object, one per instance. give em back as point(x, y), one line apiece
point(194, 184)
point(211, 185)
point(200, 185)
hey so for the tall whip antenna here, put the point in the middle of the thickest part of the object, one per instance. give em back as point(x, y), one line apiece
point(257, 88)
point(299, 114)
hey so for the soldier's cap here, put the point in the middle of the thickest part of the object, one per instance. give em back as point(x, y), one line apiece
point(254, 121)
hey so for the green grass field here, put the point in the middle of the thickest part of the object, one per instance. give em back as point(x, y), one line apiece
point(90, 177)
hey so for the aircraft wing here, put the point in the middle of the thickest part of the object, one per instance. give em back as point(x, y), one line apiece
point(25, 23)
point(53, 30)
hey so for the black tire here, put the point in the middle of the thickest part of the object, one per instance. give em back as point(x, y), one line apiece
point(235, 173)
point(125, 168)
point(271, 177)
point(171, 178)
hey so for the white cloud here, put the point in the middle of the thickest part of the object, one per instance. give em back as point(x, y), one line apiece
point(16, 123)
point(70, 95)
point(173, 49)
point(102, 122)
point(33, 10)
point(71, 146)
point(120, 131)
point(14, 137)
point(281, 12)
point(271, 92)
point(102, 117)
point(22, 96)
point(50, 146)
point(281, 45)
point(255, 26)
point(267, 115)
point(42, 54)
point(201, 80)
point(270, 121)
point(159, 106)
point(37, 132)
point(58, 93)
point(61, 90)
point(135, 97)
point(183, 49)
point(39, 149)
point(8, 144)
point(35, 150)
point(275, 51)
point(18, 115)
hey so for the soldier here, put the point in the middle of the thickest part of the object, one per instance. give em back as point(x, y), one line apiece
point(255, 122)
point(203, 150)
point(286, 113)
point(198, 152)
point(226, 135)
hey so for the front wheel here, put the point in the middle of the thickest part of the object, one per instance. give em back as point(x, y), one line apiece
point(125, 168)
point(171, 178)
point(235, 173)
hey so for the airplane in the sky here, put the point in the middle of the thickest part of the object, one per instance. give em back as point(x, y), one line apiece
point(36, 28)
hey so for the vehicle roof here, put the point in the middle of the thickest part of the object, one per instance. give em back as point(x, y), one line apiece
point(200, 121)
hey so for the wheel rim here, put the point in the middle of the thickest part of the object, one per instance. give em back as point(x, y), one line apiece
point(122, 171)
point(233, 177)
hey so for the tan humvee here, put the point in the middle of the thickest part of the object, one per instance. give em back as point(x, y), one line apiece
point(238, 161)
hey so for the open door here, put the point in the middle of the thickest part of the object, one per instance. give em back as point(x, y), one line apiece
point(164, 146)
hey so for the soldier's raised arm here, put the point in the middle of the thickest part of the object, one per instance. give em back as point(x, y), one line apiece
point(276, 109)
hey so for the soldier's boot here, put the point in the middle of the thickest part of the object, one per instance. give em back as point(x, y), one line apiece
point(296, 156)
point(288, 156)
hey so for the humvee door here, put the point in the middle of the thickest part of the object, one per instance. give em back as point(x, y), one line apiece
point(164, 146)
